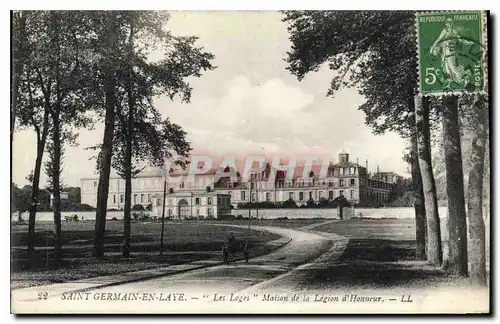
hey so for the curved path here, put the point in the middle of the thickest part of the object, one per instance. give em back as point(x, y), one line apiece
point(305, 250)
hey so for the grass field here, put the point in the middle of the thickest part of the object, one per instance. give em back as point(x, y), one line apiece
point(286, 223)
point(386, 246)
point(184, 242)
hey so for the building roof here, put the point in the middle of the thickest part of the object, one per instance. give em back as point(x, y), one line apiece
point(347, 164)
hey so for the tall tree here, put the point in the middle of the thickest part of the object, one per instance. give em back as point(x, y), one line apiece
point(475, 111)
point(434, 243)
point(419, 202)
point(19, 53)
point(146, 135)
point(50, 87)
point(373, 50)
point(53, 169)
point(138, 129)
point(108, 30)
point(457, 224)
point(33, 111)
point(129, 134)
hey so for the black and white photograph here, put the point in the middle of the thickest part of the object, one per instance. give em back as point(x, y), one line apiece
point(250, 162)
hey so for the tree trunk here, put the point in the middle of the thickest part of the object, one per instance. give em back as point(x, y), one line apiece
point(17, 68)
point(41, 140)
point(434, 244)
point(17, 65)
point(105, 170)
point(475, 199)
point(56, 174)
point(128, 150)
point(457, 222)
point(419, 204)
point(107, 143)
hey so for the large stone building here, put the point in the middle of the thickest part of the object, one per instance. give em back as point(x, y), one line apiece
point(184, 199)
point(205, 195)
point(344, 178)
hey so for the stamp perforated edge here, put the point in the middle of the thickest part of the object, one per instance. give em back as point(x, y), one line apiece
point(484, 58)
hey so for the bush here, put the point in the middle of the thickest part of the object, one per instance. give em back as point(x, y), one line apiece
point(138, 207)
point(226, 217)
point(290, 203)
point(149, 207)
point(73, 207)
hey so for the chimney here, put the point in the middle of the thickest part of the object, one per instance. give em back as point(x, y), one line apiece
point(378, 169)
point(357, 161)
point(366, 165)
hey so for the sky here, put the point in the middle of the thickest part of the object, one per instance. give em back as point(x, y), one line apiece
point(250, 104)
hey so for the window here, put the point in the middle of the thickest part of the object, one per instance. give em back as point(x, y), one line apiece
point(330, 194)
point(341, 182)
point(301, 196)
point(169, 212)
point(95, 184)
point(121, 198)
point(209, 200)
point(142, 198)
point(253, 196)
point(341, 193)
point(320, 194)
point(209, 211)
point(243, 198)
point(135, 198)
point(197, 201)
point(352, 194)
point(310, 195)
point(352, 170)
point(353, 182)
point(341, 171)
point(114, 199)
point(268, 196)
point(290, 195)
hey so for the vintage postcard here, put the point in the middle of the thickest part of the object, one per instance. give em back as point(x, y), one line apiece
point(250, 162)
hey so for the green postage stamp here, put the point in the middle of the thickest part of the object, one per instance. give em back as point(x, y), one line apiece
point(451, 52)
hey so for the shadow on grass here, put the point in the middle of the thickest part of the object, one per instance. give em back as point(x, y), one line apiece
point(145, 251)
point(373, 263)
point(379, 250)
point(81, 237)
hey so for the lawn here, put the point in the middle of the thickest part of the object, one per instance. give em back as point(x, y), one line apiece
point(381, 252)
point(184, 242)
point(286, 223)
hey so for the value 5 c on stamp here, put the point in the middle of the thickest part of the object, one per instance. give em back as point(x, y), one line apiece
point(451, 52)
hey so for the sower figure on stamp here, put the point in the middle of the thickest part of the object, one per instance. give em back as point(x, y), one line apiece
point(447, 45)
